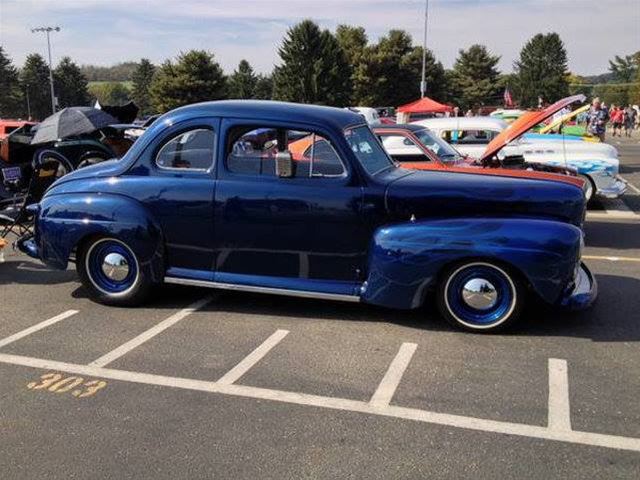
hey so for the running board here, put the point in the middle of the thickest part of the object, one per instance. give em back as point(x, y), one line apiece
point(268, 290)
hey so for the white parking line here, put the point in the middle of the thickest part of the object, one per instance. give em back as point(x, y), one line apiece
point(35, 328)
point(389, 383)
point(633, 187)
point(559, 410)
point(254, 357)
point(613, 215)
point(610, 259)
point(149, 334)
point(417, 415)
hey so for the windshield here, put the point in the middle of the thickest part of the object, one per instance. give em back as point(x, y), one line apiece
point(370, 153)
point(442, 149)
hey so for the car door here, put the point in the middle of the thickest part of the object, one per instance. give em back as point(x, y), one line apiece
point(303, 228)
point(175, 179)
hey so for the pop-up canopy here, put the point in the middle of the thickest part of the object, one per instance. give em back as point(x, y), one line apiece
point(424, 105)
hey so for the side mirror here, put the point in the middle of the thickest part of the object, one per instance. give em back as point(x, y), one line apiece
point(284, 164)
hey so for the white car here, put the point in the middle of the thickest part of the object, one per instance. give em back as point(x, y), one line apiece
point(597, 163)
point(370, 114)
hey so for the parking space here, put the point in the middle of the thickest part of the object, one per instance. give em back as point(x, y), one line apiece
point(202, 383)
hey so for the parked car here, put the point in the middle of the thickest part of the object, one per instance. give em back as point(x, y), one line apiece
point(596, 163)
point(8, 126)
point(416, 147)
point(371, 115)
point(80, 151)
point(195, 202)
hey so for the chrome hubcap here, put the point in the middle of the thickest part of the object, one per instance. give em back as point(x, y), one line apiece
point(115, 267)
point(480, 294)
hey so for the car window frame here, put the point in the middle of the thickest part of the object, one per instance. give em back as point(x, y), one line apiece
point(405, 136)
point(228, 124)
point(393, 163)
point(172, 136)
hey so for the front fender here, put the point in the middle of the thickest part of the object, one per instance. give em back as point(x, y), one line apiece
point(65, 220)
point(405, 260)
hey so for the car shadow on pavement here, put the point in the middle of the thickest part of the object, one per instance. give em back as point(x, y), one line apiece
point(621, 236)
point(21, 272)
point(614, 317)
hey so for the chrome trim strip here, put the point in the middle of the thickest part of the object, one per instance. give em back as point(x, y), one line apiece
point(269, 290)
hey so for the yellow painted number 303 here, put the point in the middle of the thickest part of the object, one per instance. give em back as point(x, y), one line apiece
point(77, 386)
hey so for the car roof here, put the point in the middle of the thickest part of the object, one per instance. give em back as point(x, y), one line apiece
point(463, 122)
point(268, 110)
point(413, 127)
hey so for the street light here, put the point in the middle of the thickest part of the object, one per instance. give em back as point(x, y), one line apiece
point(48, 30)
point(26, 88)
point(423, 83)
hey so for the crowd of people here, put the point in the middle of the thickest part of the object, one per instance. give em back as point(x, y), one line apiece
point(621, 118)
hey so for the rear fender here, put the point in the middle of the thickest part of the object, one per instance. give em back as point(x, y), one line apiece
point(405, 260)
point(64, 221)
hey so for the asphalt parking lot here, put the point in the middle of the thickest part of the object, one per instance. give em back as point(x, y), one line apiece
point(201, 384)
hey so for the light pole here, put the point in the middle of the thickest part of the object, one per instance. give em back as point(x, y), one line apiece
point(26, 88)
point(48, 30)
point(423, 83)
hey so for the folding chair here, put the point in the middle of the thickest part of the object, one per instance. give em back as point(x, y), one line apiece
point(48, 166)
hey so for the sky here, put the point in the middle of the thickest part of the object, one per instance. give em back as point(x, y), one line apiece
point(104, 32)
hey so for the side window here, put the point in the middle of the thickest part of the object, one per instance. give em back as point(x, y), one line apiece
point(253, 151)
point(402, 148)
point(318, 160)
point(468, 137)
point(190, 150)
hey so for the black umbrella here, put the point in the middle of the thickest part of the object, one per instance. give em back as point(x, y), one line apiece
point(71, 121)
point(126, 113)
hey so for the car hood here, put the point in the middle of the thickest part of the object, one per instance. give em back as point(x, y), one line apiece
point(525, 123)
point(108, 168)
point(431, 194)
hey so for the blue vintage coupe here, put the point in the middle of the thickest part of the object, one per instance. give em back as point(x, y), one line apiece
point(212, 196)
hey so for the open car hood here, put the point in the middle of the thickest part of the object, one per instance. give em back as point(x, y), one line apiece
point(525, 123)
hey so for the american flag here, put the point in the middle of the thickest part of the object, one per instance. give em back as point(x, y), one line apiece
point(508, 101)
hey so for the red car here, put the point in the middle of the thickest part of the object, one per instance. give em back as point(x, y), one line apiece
point(416, 147)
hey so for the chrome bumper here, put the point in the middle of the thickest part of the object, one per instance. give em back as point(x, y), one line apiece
point(584, 291)
point(617, 188)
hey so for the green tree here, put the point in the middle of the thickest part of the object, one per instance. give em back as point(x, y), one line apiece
point(542, 70)
point(35, 80)
point(10, 90)
point(110, 93)
point(194, 77)
point(475, 78)
point(313, 69)
point(389, 73)
point(70, 84)
point(141, 79)
point(242, 82)
point(624, 68)
point(353, 41)
point(263, 89)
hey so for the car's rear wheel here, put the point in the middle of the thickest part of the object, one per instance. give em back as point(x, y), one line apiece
point(480, 296)
point(110, 271)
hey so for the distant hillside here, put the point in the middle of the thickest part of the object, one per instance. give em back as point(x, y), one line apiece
point(602, 78)
point(120, 72)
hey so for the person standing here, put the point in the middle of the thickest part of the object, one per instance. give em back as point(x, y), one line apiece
point(617, 119)
point(597, 119)
point(629, 120)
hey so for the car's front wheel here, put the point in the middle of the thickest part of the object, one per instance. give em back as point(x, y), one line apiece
point(110, 271)
point(480, 296)
point(588, 188)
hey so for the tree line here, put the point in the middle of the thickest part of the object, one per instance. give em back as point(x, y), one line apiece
point(316, 66)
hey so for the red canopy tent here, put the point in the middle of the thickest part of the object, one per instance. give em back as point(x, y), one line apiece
point(424, 105)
